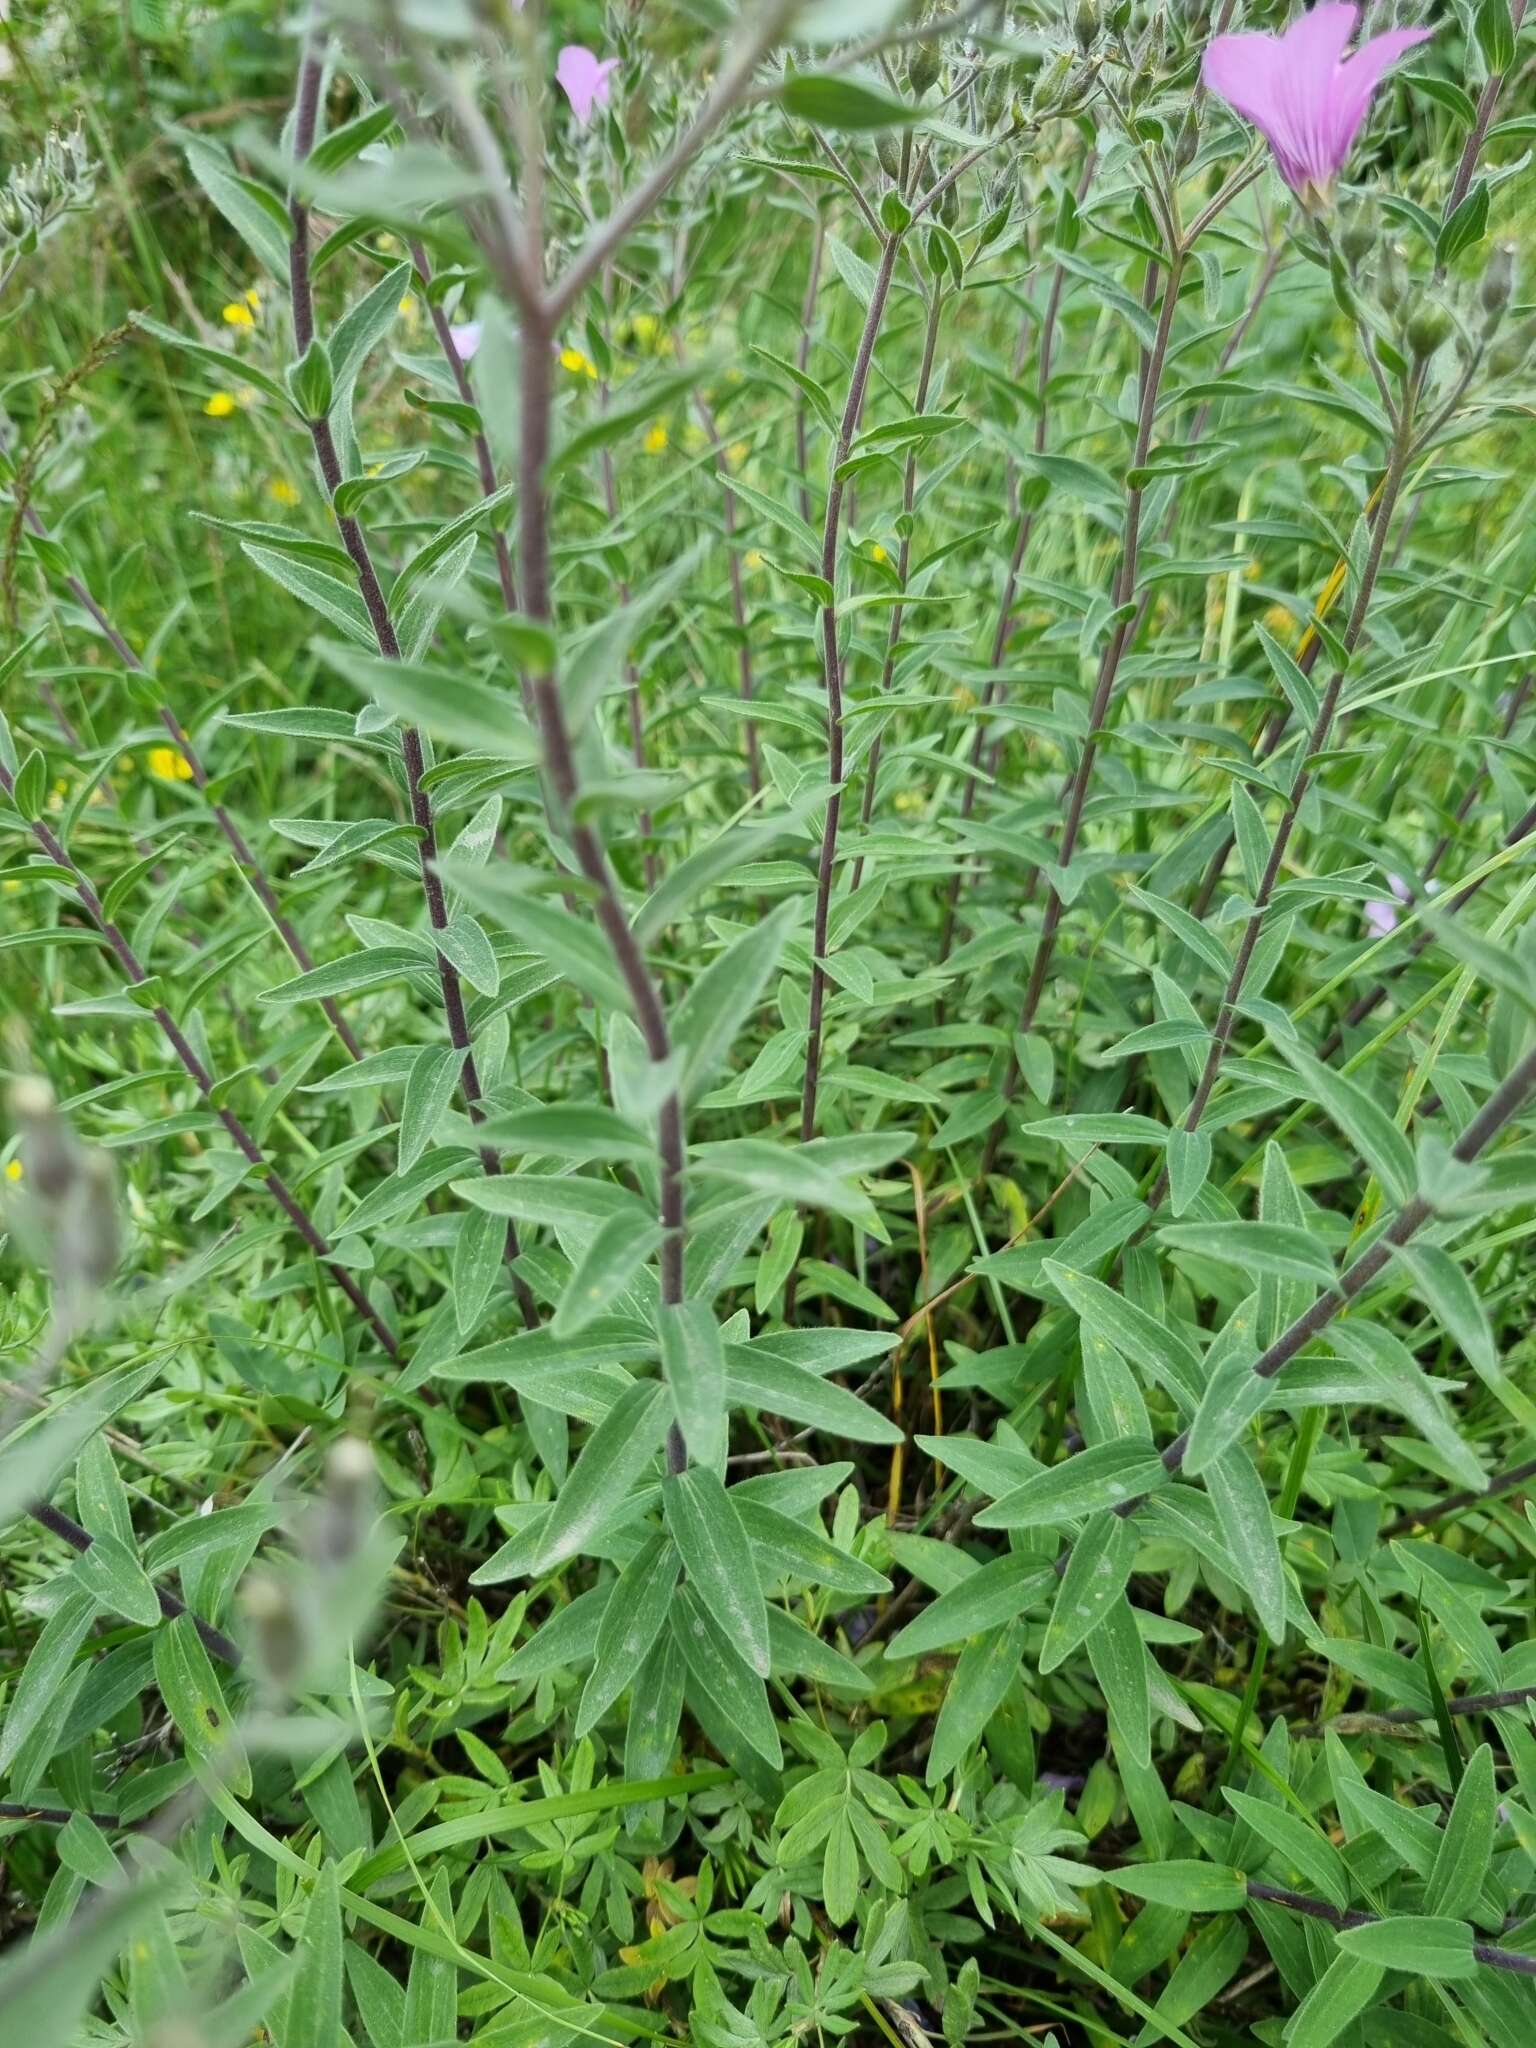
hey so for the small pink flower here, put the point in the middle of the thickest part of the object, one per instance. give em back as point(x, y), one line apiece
point(1302, 93)
point(583, 78)
point(466, 339)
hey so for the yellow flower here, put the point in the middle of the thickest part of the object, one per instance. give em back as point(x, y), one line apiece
point(1280, 624)
point(908, 800)
point(239, 314)
point(737, 453)
point(878, 554)
point(644, 327)
point(253, 299)
point(752, 559)
point(656, 440)
point(220, 405)
point(1254, 570)
point(169, 764)
point(408, 306)
point(13, 1170)
point(578, 362)
point(283, 491)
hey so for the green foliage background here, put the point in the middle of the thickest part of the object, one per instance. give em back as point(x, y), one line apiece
point(936, 1696)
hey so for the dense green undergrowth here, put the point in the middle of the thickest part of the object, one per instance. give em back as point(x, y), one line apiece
point(765, 894)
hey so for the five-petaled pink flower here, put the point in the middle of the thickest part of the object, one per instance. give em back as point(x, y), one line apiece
point(1302, 93)
point(583, 78)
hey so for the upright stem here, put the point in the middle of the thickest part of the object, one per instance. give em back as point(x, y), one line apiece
point(903, 559)
point(832, 670)
point(179, 1043)
point(1317, 740)
point(1109, 671)
point(305, 117)
point(560, 768)
point(803, 357)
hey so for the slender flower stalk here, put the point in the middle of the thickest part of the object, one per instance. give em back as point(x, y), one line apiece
point(903, 559)
point(832, 670)
point(305, 120)
point(235, 838)
point(205, 1083)
point(803, 360)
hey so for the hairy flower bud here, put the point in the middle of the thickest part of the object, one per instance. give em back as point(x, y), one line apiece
point(1052, 86)
point(1086, 23)
point(277, 1631)
point(1498, 284)
point(888, 150)
point(1391, 279)
point(924, 66)
point(1358, 238)
point(1429, 327)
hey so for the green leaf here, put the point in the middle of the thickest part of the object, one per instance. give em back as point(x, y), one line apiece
point(257, 215)
point(1466, 1842)
point(1257, 1248)
point(631, 1625)
point(984, 1599)
point(693, 1360)
point(1098, 1566)
point(1424, 1944)
point(718, 1560)
point(1193, 1887)
point(773, 1384)
point(42, 1677)
point(112, 1574)
point(314, 2003)
point(736, 1691)
point(1242, 1507)
point(360, 330)
point(1119, 1660)
point(1367, 1126)
point(787, 1549)
point(1343, 1991)
point(429, 1089)
point(614, 1255)
point(450, 705)
point(328, 595)
point(196, 1703)
point(1444, 1288)
point(709, 1020)
point(976, 1687)
point(1103, 1476)
point(844, 100)
point(616, 1454)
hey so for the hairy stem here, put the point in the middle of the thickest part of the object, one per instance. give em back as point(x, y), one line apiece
point(832, 671)
point(350, 533)
point(1104, 689)
point(903, 561)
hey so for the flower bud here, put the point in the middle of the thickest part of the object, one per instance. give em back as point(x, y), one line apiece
point(1510, 354)
point(923, 67)
point(1429, 327)
point(889, 153)
point(1498, 284)
point(993, 97)
point(1051, 86)
point(947, 205)
point(1358, 238)
point(1392, 279)
point(1086, 23)
point(1187, 145)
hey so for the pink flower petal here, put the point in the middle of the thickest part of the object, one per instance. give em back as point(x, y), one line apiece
point(466, 339)
point(1301, 92)
point(583, 78)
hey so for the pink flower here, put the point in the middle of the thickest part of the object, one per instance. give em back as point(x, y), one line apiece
point(466, 339)
point(583, 79)
point(1302, 93)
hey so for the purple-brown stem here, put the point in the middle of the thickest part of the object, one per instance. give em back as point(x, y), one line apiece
point(305, 117)
point(129, 962)
point(832, 672)
point(803, 357)
point(1104, 690)
point(1320, 1909)
point(564, 786)
point(903, 561)
point(214, 1640)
